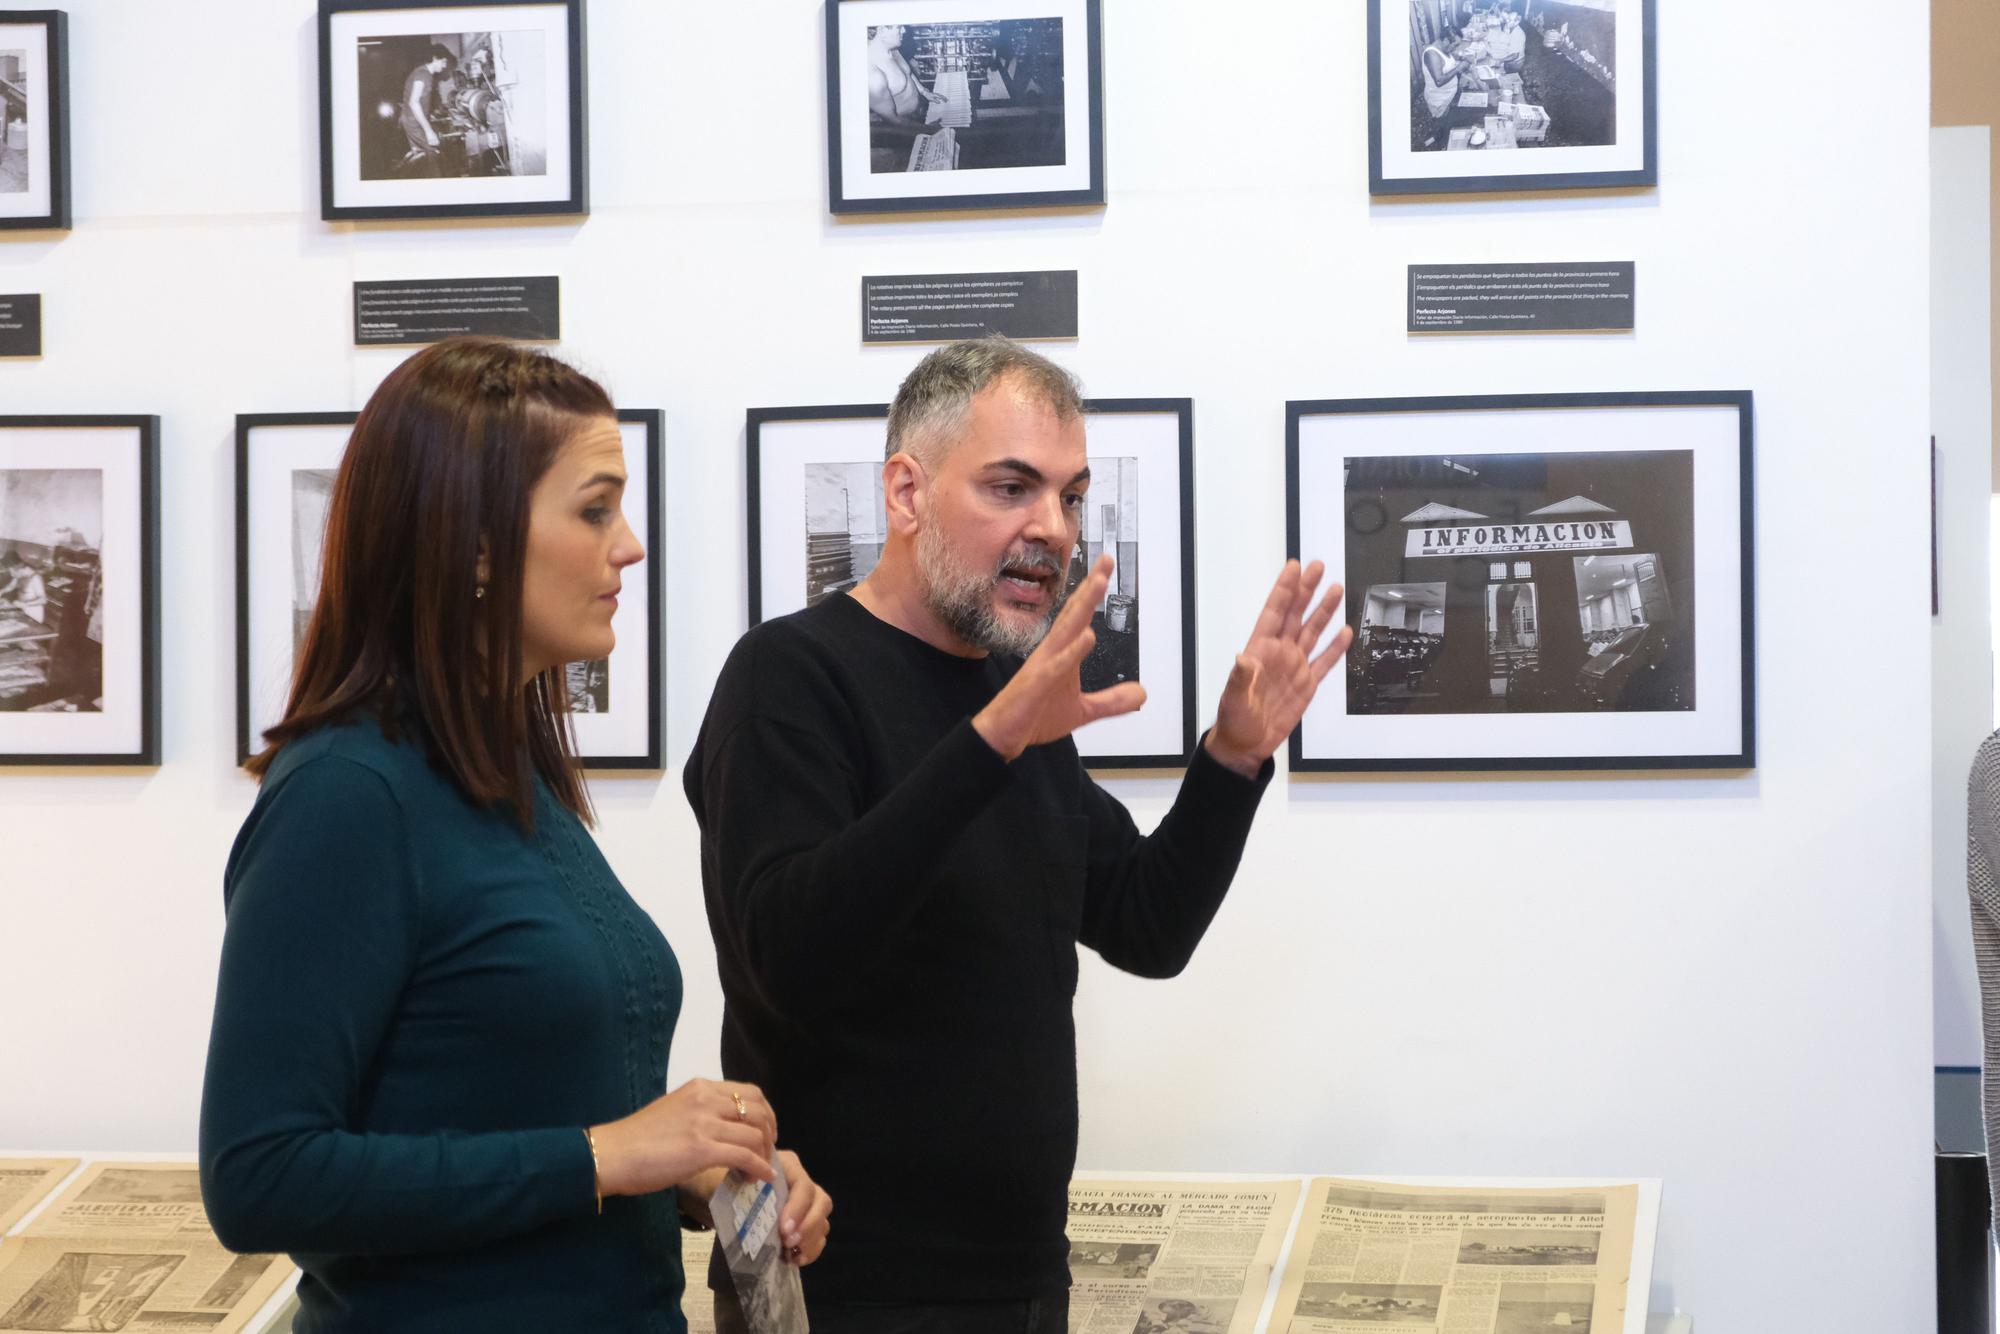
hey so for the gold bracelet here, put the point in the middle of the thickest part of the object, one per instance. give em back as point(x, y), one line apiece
point(596, 1169)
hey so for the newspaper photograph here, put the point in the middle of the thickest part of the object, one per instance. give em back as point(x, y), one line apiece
point(1458, 1259)
point(128, 1247)
point(1179, 1257)
point(25, 1181)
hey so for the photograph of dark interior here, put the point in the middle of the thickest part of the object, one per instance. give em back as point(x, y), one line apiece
point(1521, 583)
point(453, 104)
point(1111, 524)
point(1512, 74)
point(960, 96)
point(13, 122)
point(51, 590)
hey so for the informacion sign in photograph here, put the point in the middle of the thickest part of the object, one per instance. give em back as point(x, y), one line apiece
point(1522, 298)
point(945, 307)
point(21, 325)
point(428, 310)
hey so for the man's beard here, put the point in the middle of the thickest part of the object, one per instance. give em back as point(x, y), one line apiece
point(963, 598)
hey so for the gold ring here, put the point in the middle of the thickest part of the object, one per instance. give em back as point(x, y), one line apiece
point(742, 1114)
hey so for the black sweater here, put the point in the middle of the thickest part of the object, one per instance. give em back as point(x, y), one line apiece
point(896, 913)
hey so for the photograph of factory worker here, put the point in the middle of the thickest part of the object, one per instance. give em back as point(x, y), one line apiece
point(414, 114)
point(897, 102)
point(901, 851)
point(437, 1071)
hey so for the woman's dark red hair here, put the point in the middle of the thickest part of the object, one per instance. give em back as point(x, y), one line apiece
point(439, 469)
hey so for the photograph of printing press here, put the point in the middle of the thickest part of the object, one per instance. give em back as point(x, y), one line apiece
point(34, 119)
point(79, 590)
point(945, 96)
point(51, 590)
point(451, 109)
point(452, 105)
point(1551, 94)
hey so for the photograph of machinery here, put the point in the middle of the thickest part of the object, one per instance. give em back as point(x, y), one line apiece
point(452, 105)
point(51, 590)
point(951, 96)
point(14, 113)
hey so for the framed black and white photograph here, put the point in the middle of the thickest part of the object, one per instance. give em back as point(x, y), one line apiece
point(285, 469)
point(451, 108)
point(817, 526)
point(34, 118)
point(952, 104)
point(1534, 582)
point(1475, 95)
point(79, 590)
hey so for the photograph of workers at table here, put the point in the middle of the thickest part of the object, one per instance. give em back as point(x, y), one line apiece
point(1512, 74)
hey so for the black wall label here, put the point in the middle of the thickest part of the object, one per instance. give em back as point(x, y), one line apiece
point(21, 325)
point(945, 307)
point(429, 310)
point(1522, 298)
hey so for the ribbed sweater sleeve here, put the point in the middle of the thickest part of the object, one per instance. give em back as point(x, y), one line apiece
point(1149, 900)
point(324, 928)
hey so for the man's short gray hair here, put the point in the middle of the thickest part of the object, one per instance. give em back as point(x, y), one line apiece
point(931, 406)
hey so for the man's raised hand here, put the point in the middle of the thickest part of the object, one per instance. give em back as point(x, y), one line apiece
point(1276, 674)
point(1046, 701)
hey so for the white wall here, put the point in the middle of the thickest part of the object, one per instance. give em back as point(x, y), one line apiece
point(1961, 635)
point(1741, 1004)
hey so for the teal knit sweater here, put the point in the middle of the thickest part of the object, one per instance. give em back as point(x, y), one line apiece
point(420, 1008)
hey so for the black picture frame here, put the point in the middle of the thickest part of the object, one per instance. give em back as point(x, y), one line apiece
point(1707, 551)
point(844, 199)
point(576, 200)
point(1384, 181)
point(55, 25)
point(144, 675)
point(757, 420)
point(651, 502)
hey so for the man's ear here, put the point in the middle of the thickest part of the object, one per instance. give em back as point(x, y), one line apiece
point(903, 492)
point(483, 571)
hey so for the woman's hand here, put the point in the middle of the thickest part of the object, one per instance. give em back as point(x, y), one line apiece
point(703, 1124)
point(803, 1226)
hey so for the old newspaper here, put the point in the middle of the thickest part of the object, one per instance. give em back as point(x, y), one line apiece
point(1458, 1259)
point(23, 1183)
point(1173, 1257)
point(128, 1247)
point(697, 1302)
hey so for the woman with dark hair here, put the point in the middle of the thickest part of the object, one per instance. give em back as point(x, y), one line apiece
point(441, 1028)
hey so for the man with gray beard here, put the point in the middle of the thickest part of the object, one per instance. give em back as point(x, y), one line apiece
point(901, 851)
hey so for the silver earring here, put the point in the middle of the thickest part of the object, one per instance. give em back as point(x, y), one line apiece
point(479, 592)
